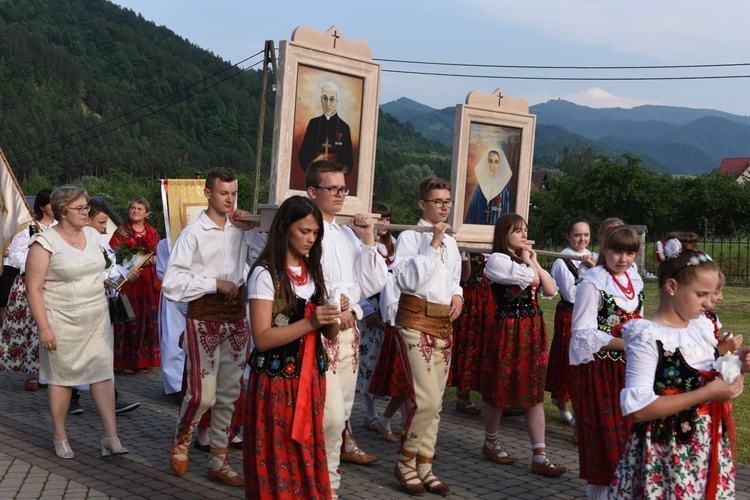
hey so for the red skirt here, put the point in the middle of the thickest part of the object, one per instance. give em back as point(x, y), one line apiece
point(515, 362)
point(603, 432)
point(389, 378)
point(558, 369)
point(470, 332)
point(137, 342)
point(275, 465)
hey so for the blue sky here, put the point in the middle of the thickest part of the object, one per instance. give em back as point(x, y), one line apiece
point(539, 33)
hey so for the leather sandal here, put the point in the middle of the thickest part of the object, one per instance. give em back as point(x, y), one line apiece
point(547, 468)
point(356, 456)
point(495, 452)
point(467, 406)
point(435, 485)
point(180, 447)
point(375, 425)
point(409, 480)
point(31, 384)
point(224, 474)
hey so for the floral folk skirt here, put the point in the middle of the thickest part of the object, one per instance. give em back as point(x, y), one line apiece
point(19, 338)
point(673, 470)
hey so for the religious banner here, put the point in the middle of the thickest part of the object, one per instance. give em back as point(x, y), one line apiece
point(15, 214)
point(493, 150)
point(183, 201)
point(326, 108)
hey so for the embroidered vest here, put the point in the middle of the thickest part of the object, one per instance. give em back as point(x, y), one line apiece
point(513, 302)
point(673, 376)
point(611, 315)
point(286, 360)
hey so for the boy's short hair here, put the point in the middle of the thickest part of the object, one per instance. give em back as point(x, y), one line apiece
point(219, 173)
point(317, 168)
point(431, 183)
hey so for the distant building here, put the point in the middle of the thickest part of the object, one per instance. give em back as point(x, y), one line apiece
point(537, 179)
point(738, 168)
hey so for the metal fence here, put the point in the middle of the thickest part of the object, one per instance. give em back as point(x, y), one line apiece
point(731, 253)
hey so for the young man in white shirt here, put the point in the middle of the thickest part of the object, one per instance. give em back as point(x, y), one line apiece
point(428, 272)
point(206, 269)
point(352, 264)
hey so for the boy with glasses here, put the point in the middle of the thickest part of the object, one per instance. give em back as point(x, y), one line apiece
point(356, 268)
point(428, 271)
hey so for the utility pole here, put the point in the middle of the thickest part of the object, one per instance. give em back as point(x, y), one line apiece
point(269, 55)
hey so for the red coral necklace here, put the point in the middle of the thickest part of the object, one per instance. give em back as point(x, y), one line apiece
point(628, 290)
point(301, 278)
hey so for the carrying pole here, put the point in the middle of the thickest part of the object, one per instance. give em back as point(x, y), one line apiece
point(269, 55)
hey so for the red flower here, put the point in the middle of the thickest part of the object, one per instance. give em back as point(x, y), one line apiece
point(290, 368)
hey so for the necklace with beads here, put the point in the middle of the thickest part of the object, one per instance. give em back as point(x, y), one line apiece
point(298, 279)
point(627, 290)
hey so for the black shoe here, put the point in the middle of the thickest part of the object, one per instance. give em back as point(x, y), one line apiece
point(123, 407)
point(202, 447)
point(75, 408)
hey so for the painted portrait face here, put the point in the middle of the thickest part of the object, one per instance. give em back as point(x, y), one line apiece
point(493, 162)
point(329, 99)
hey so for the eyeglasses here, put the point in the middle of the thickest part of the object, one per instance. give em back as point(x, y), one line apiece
point(83, 209)
point(440, 203)
point(333, 190)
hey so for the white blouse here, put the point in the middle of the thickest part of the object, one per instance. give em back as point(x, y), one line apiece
point(501, 269)
point(260, 285)
point(587, 339)
point(696, 343)
point(566, 283)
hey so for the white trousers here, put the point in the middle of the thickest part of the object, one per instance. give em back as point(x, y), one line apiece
point(171, 326)
point(427, 360)
point(341, 383)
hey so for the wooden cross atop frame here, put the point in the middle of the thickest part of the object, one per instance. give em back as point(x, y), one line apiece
point(335, 37)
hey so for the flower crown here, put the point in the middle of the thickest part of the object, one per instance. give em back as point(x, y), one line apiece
point(672, 249)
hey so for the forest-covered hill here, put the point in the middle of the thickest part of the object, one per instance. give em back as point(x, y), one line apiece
point(88, 88)
point(675, 139)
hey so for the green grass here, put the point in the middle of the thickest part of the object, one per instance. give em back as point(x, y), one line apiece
point(734, 314)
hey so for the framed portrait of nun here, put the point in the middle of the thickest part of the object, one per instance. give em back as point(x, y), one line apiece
point(492, 163)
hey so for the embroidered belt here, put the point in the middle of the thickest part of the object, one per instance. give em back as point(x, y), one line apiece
point(428, 317)
point(214, 307)
point(611, 355)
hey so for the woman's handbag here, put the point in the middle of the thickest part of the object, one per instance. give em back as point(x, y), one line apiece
point(120, 309)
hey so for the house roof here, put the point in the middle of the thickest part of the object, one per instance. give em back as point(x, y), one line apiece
point(537, 179)
point(734, 166)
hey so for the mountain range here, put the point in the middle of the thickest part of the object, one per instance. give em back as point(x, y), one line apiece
point(677, 140)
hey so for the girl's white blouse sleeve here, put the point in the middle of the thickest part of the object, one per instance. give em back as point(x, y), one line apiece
point(501, 269)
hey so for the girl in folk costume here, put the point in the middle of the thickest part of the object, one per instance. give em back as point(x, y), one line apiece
point(471, 331)
point(515, 359)
point(567, 274)
point(681, 437)
point(609, 295)
point(137, 342)
point(284, 447)
point(19, 338)
point(377, 350)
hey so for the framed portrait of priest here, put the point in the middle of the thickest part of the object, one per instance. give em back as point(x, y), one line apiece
point(326, 109)
point(492, 162)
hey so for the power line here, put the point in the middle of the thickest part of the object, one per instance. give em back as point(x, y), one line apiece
point(508, 66)
point(60, 139)
point(565, 78)
point(83, 141)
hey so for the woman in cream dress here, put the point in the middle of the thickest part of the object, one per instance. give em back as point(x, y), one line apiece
point(67, 300)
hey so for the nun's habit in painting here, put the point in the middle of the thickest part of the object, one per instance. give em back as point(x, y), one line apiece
point(491, 197)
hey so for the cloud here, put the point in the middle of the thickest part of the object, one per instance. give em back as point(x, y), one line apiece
point(599, 98)
point(663, 30)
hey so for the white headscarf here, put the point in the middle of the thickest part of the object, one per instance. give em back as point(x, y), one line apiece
point(490, 185)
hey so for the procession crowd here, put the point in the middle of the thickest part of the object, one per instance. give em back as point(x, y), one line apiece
point(266, 338)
